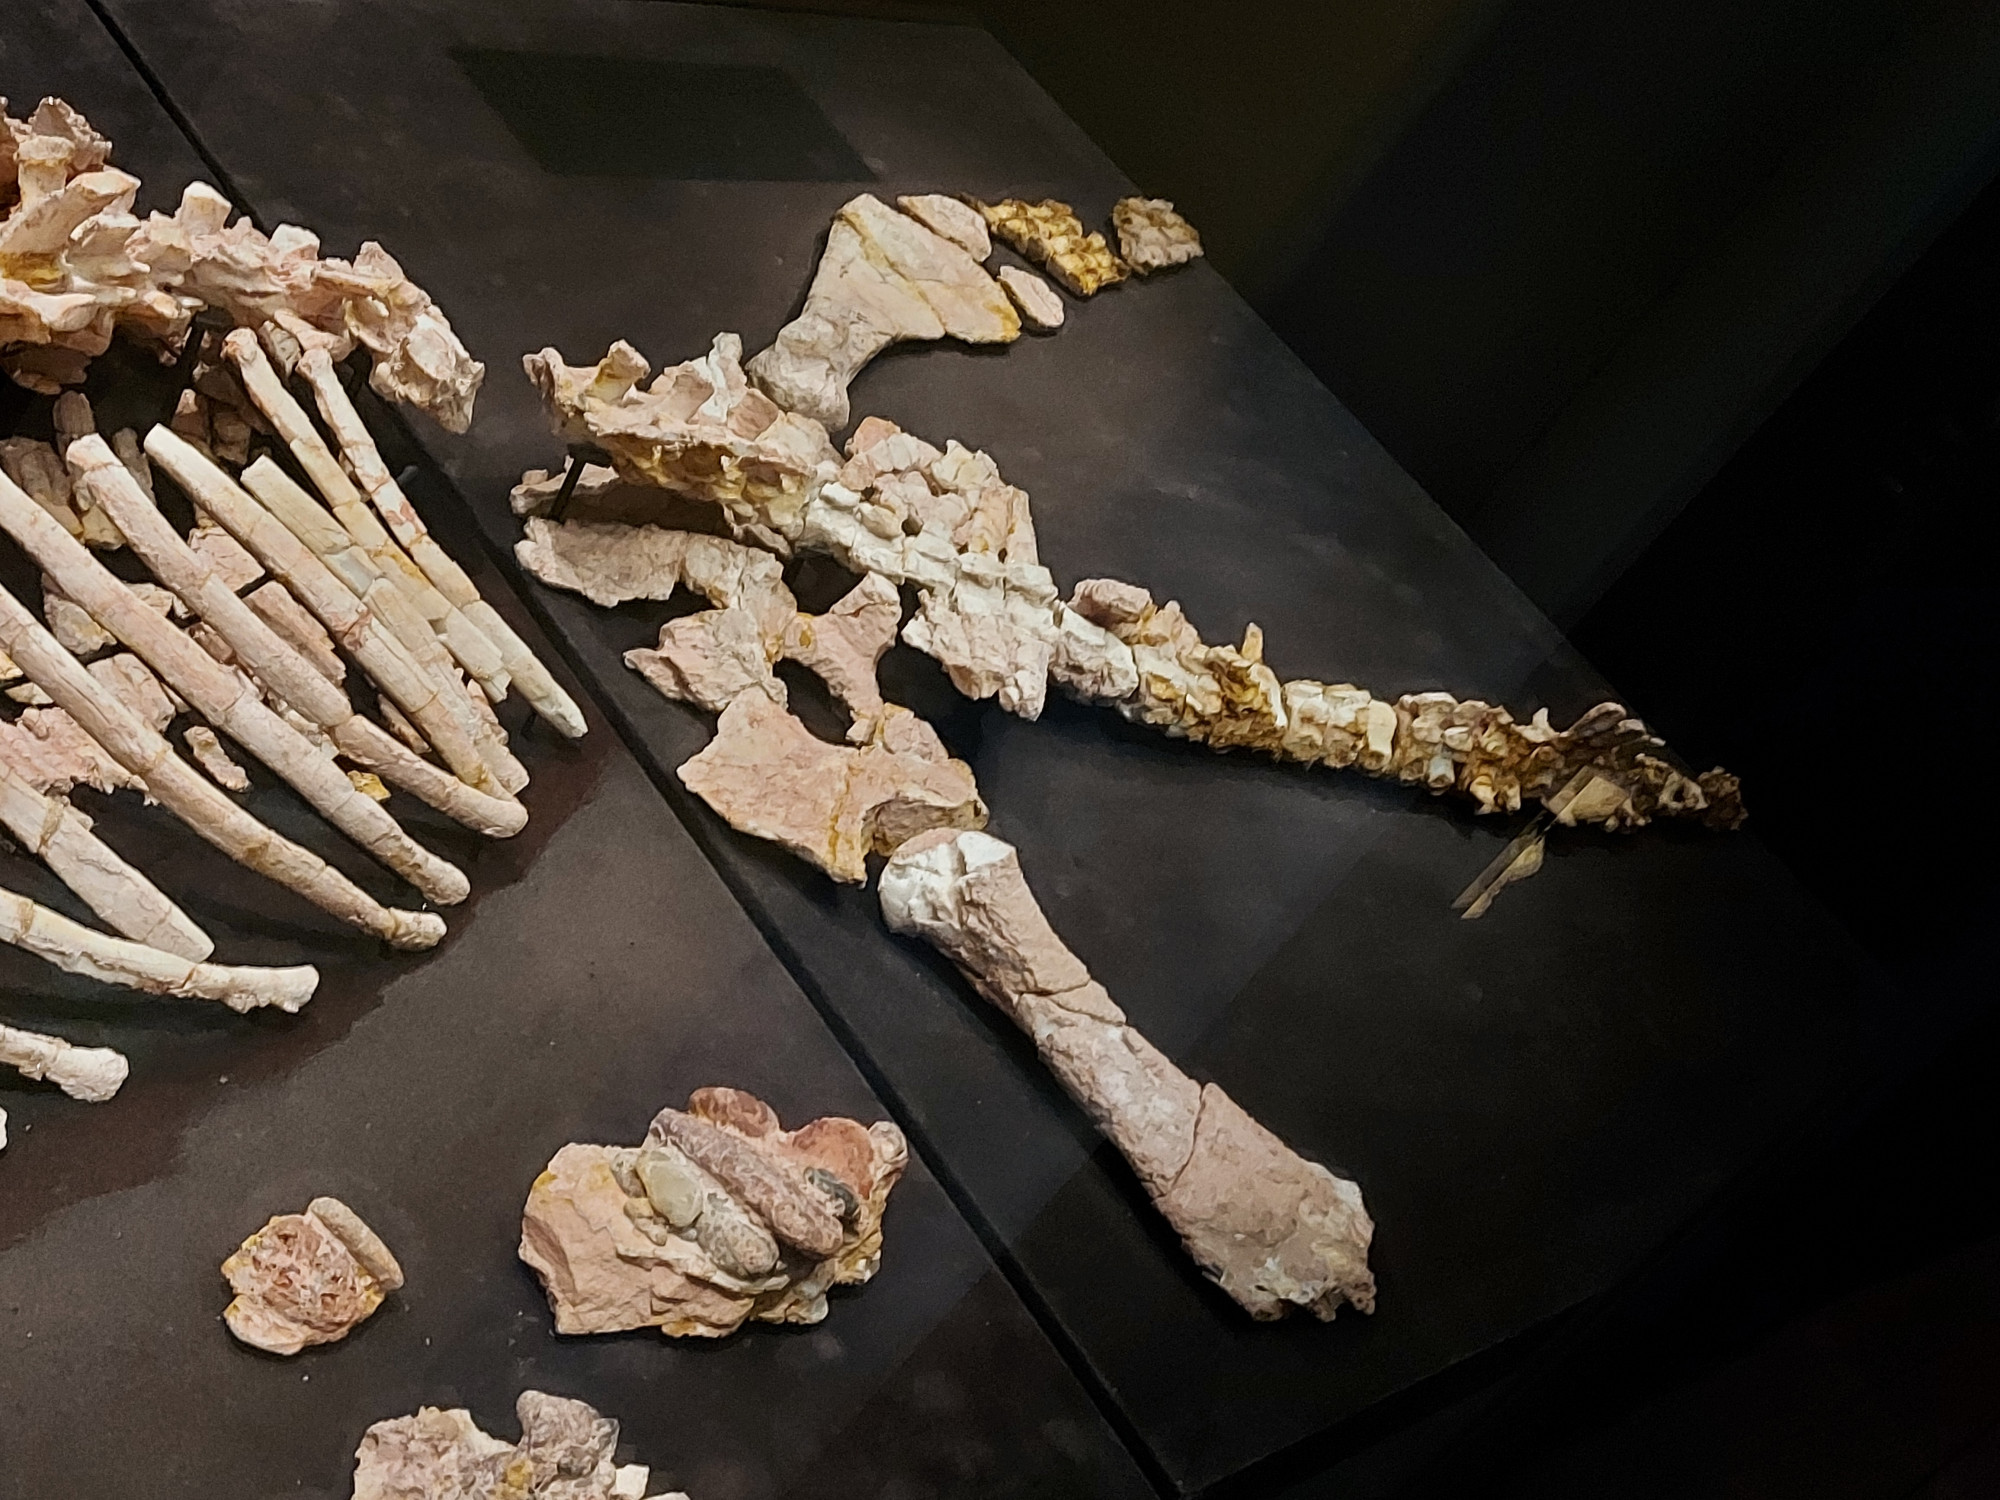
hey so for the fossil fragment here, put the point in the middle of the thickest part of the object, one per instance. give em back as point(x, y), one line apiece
point(1051, 235)
point(720, 1218)
point(844, 646)
point(883, 277)
point(73, 419)
point(1151, 236)
point(833, 805)
point(36, 468)
point(75, 263)
point(1040, 307)
point(128, 680)
point(565, 1453)
point(225, 698)
point(208, 753)
point(92, 1074)
point(950, 218)
point(1273, 1230)
point(308, 1278)
point(235, 568)
point(273, 603)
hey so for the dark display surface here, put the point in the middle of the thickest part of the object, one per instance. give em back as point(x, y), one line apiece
point(600, 970)
point(1530, 1102)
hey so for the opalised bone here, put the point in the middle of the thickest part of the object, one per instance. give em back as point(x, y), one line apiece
point(565, 1453)
point(718, 1219)
point(1272, 1229)
point(308, 1278)
point(1151, 236)
point(833, 805)
point(194, 577)
point(883, 277)
point(1050, 234)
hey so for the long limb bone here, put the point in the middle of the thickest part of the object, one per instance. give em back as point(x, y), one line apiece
point(91, 1074)
point(125, 899)
point(78, 950)
point(379, 653)
point(290, 676)
point(189, 795)
point(304, 517)
point(223, 697)
point(1272, 1229)
point(372, 475)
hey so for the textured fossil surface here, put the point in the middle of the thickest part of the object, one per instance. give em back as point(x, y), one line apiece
point(883, 277)
point(719, 1218)
point(1271, 1229)
point(1051, 235)
point(307, 1278)
point(1037, 301)
point(950, 218)
point(1151, 236)
point(565, 1453)
point(76, 264)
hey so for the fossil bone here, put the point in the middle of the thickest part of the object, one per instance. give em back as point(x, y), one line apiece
point(883, 277)
point(223, 697)
point(950, 218)
point(207, 752)
point(1040, 307)
point(92, 1074)
point(718, 1219)
point(279, 665)
point(308, 1278)
point(565, 1453)
point(1273, 1230)
point(1051, 235)
point(142, 754)
point(273, 603)
point(1151, 236)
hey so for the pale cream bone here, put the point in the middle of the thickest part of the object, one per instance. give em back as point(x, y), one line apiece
point(75, 263)
point(526, 671)
point(280, 667)
point(74, 419)
point(126, 900)
point(883, 277)
point(52, 753)
point(1051, 235)
point(1273, 1230)
point(720, 1218)
point(698, 430)
point(125, 443)
point(273, 603)
point(77, 949)
point(207, 752)
point(386, 601)
point(844, 646)
point(377, 651)
point(132, 683)
point(833, 805)
point(222, 696)
point(466, 642)
point(565, 1453)
point(308, 1278)
point(950, 218)
point(36, 468)
point(192, 797)
point(1151, 236)
point(1040, 307)
point(232, 565)
point(92, 1074)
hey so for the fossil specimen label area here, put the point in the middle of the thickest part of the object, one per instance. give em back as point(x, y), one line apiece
point(1531, 1103)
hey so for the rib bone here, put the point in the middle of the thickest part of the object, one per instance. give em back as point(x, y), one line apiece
point(91, 1074)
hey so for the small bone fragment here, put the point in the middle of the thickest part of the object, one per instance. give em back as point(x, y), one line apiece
point(190, 796)
point(883, 277)
point(833, 805)
point(952, 218)
point(685, 1232)
point(71, 624)
point(126, 900)
point(277, 664)
point(1273, 1230)
point(1050, 234)
point(73, 419)
point(27, 693)
point(521, 665)
point(1151, 236)
point(92, 1074)
point(442, 717)
point(700, 429)
point(565, 1453)
point(52, 753)
point(223, 697)
point(1040, 307)
point(208, 753)
point(125, 443)
point(36, 468)
point(274, 605)
point(369, 785)
point(129, 680)
point(79, 950)
point(235, 568)
point(308, 1278)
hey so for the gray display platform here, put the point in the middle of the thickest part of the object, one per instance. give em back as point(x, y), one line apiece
point(1531, 1103)
point(600, 970)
